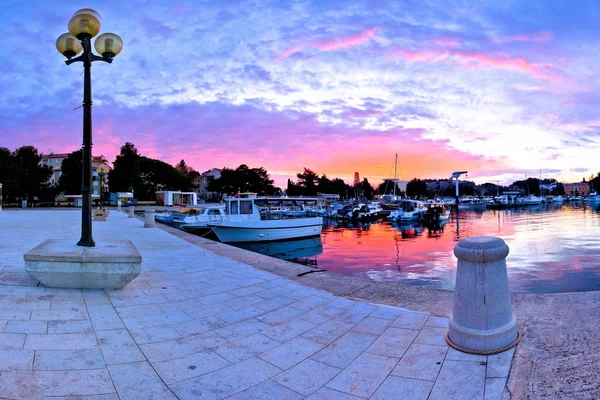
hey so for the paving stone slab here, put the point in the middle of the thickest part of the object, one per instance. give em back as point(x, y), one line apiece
point(403, 388)
point(71, 326)
point(180, 369)
point(393, 342)
point(12, 341)
point(118, 347)
point(344, 350)
point(291, 353)
point(181, 347)
point(17, 326)
point(328, 331)
point(434, 336)
point(410, 320)
point(495, 389)
point(139, 381)
point(65, 360)
point(288, 330)
point(364, 375)
point(498, 365)
point(421, 361)
point(245, 348)
point(104, 316)
point(16, 360)
point(153, 335)
point(329, 394)
point(226, 381)
point(307, 377)
point(374, 326)
point(61, 341)
point(240, 330)
point(40, 384)
point(459, 380)
point(267, 390)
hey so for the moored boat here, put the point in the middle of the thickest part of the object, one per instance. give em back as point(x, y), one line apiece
point(436, 212)
point(247, 223)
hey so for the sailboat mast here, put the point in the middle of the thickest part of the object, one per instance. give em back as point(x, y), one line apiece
point(395, 168)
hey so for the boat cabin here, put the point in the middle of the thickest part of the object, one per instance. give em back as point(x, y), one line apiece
point(268, 207)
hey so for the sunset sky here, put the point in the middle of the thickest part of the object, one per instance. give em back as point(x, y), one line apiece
point(502, 90)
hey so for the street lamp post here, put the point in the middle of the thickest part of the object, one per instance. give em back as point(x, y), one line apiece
point(102, 170)
point(83, 26)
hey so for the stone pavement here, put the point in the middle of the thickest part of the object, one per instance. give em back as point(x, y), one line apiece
point(196, 325)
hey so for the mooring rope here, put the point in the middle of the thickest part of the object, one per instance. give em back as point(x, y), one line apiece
point(480, 352)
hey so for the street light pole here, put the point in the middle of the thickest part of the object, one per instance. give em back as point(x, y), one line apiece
point(83, 26)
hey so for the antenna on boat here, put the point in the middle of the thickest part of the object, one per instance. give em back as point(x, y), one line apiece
point(395, 168)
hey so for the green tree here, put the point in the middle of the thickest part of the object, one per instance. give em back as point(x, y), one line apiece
point(125, 175)
point(387, 187)
point(188, 174)
point(70, 178)
point(32, 177)
point(308, 181)
point(366, 189)
point(154, 173)
point(244, 179)
point(416, 187)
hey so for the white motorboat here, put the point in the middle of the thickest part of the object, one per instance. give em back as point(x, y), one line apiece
point(408, 210)
point(436, 212)
point(205, 216)
point(472, 203)
point(555, 199)
point(592, 198)
point(532, 200)
point(246, 223)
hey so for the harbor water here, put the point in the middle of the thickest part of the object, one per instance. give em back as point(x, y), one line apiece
point(553, 248)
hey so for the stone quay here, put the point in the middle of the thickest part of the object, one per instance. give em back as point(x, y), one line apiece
point(206, 320)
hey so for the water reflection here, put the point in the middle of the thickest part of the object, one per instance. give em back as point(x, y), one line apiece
point(553, 248)
point(302, 251)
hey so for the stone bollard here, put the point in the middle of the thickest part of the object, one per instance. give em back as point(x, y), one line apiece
point(119, 205)
point(482, 320)
point(149, 221)
point(131, 212)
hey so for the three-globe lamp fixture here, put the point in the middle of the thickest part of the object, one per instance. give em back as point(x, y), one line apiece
point(83, 26)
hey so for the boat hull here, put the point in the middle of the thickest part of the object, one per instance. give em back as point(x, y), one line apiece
point(267, 231)
point(472, 206)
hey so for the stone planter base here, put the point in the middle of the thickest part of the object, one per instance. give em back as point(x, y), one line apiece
point(112, 264)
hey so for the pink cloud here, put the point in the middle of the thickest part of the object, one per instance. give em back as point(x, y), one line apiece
point(349, 41)
point(287, 53)
point(538, 37)
point(448, 42)
point(479, 60)
point(340, 43)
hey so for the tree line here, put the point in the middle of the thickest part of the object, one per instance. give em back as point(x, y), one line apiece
point(24, 177)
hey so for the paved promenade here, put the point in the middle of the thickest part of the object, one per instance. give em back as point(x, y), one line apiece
point(197, 325)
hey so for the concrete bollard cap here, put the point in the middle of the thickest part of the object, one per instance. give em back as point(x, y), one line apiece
point(481, 249)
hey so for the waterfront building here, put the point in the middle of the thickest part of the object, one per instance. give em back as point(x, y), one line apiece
point(54, 160)
point(577, 189)
point(204, 180)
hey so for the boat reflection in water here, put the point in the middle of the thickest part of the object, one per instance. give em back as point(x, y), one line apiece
point(301, 251)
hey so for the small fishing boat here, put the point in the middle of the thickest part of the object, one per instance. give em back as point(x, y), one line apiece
point(472, 203)
point(436, 212)
point(592, 198)
point(247, 223)
point(408, 210)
